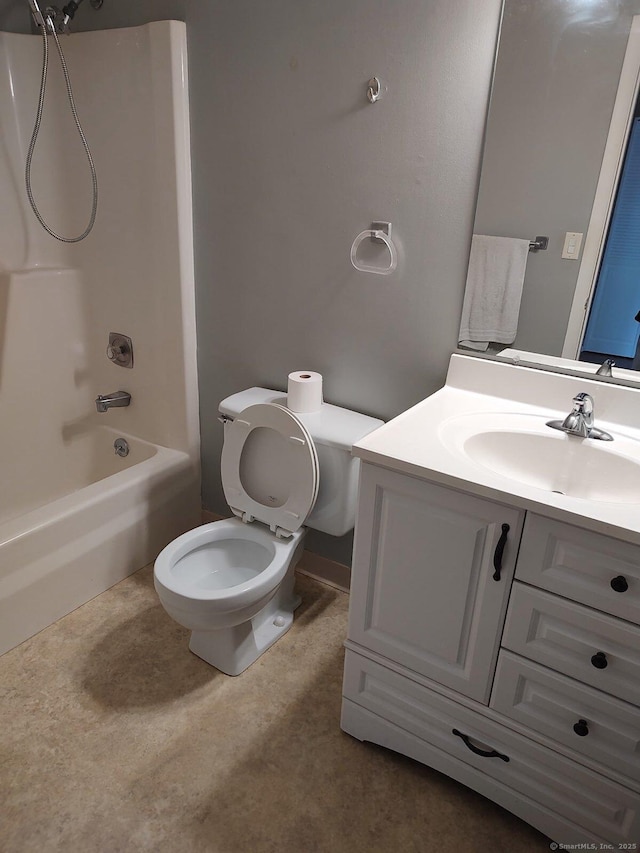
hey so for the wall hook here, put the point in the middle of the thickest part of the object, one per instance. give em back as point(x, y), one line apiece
point(373, 90)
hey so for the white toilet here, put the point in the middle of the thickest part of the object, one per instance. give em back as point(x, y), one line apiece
point(232, 582)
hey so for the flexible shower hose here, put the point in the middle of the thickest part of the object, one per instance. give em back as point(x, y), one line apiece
point(36, 130)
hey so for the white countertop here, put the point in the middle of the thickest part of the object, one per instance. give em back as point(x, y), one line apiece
point(416, 442)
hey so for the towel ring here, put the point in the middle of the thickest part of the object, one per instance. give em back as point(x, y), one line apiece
point(380, 231)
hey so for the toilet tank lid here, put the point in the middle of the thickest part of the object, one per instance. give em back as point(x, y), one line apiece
point(331, 425)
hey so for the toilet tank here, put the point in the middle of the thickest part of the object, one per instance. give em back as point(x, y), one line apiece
point(334, 431)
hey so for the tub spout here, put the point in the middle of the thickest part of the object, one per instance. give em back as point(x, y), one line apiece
point(109, 401)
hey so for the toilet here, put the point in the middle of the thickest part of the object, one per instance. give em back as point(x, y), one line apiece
point(232, 582)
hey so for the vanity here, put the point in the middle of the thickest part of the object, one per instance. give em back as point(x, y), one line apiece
point(494, 623)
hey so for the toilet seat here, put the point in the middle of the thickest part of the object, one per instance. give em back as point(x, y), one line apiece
point(270, 468)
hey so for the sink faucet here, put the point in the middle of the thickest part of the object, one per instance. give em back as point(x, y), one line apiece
point(605, 367)
point(579, 421)
point(109, 401)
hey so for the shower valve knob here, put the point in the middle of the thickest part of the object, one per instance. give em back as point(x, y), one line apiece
point(120, 350)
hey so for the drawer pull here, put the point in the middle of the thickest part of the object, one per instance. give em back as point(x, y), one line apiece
point(497, 556)
point(599, 660)
point(619, 584)
point(485, 753)
point(581, 728)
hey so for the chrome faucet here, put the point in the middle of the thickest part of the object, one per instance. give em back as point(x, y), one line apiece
point(605, 367)
point(579, 421)
point(109, 401)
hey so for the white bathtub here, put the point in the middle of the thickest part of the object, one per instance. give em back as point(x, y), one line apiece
point(114, 518)
point(74, 517)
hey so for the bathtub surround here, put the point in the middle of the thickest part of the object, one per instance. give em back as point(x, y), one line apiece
point(113, 740)
point(68, 501)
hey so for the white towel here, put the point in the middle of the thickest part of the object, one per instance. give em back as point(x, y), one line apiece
point(493, 291)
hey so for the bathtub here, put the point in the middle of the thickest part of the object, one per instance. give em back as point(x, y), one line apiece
point(74, 517)
point(101, 517)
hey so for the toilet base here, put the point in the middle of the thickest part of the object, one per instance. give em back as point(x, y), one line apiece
point(232, 650)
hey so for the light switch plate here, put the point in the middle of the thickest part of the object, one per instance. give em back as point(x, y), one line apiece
point(572, 243)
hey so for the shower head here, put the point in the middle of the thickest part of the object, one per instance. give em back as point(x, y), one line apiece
point(38, 17)
point(43, 19)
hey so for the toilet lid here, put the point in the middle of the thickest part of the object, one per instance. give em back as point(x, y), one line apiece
point(270, 468)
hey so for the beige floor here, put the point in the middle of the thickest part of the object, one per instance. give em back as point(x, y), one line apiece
point(114, 737)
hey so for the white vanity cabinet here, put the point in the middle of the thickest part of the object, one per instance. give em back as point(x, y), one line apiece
point(524, 687)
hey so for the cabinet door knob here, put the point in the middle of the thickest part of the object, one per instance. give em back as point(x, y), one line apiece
point(619, 584)
point(581, 728)
point(485, 753)
point(497, 554)
point(599, 660)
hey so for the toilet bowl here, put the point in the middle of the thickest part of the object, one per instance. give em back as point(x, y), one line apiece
point(232, 582)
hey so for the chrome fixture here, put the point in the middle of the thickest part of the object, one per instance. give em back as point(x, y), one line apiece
point(539, 244)
point(69, 12)
point(110, 401)
point(373, 90)
point(58, 19)
point(120, 349)
point(51, 22)
point(580, 420)
point(121, 447)
point(605, 368)
point(39, 18)
point(379, 232)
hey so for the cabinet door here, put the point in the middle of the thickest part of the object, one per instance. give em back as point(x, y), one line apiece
point(423, 591)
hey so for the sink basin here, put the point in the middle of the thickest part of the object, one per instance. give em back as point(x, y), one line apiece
point(523, 449)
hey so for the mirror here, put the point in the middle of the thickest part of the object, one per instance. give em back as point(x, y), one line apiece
point(558, 70)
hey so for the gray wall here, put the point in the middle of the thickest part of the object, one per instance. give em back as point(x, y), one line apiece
point(556, 80)
point(291, 162)
point(14, 16)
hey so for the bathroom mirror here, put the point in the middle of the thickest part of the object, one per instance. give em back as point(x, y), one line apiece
point(559, 68)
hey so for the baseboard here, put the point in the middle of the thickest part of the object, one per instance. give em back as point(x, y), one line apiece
point(325, 570)
point(312, 565)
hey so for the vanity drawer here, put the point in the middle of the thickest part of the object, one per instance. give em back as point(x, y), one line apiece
point(590, 722)
point(575, 640)
point(550, 781)
point(581, 565)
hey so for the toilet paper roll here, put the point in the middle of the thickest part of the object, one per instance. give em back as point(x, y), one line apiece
point(304, 391)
